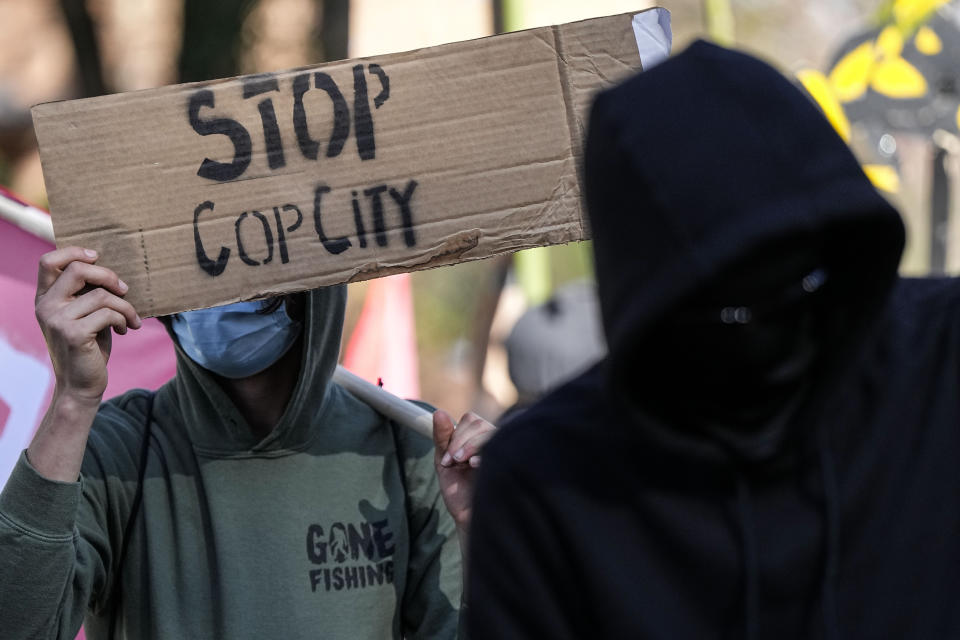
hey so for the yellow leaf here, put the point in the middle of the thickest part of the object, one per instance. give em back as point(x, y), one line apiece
point(883, 177)
point(928, 42)
point(890, 42)
point(908, 14)
point(851, 75)
point(897, 78)
point(818, 87)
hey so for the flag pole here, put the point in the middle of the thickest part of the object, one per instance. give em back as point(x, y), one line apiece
point(31, 219)
point(401, 411)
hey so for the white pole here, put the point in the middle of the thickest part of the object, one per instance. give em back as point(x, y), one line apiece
point(30, 219)
point(397, 409)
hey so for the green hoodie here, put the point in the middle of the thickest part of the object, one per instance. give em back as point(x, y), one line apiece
point(331, 526)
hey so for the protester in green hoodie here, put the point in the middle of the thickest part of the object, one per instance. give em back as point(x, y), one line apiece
point(272, 503)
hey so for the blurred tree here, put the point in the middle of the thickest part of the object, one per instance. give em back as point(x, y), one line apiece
point(211, 38)
point(334, 27)
point(498, 17)
point(85, 47)
point(719, 18)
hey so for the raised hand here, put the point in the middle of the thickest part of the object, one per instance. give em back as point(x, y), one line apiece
point(76, 305)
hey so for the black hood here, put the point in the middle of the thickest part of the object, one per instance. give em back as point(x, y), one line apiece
point(624, 524)
point(705, 160)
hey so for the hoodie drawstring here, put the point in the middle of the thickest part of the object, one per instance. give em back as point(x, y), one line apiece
point(751, 569)
point(831, 503)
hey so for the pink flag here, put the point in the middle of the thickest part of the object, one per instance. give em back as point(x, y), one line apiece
point(383, 346)
point(143, 358)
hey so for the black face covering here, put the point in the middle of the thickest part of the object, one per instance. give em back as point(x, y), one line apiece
point(739, 353)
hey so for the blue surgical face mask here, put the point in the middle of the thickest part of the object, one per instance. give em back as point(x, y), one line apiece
point(235, 341)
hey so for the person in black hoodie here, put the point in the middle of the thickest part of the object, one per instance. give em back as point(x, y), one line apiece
point(772, 447)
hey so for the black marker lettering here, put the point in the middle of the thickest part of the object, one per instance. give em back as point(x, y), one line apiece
point(358, 220)
point(405, 214)
point(243, 254)
point(254, 86)
point(337, 245)
point(378, 71)
point(271, 134)
point(309, 147)
point(208, 265)
point(281, 236)
point(379, 227)
point(267, 234)
point(211, 169)
point(341, 113)
point(362, 120)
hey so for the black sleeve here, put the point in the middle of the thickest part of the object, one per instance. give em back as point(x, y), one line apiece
point(519, 585)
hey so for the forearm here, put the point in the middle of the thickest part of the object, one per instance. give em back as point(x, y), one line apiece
point(56, 451)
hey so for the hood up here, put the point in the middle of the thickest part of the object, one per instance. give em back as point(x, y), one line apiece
point(704, 161)
point(214, 423)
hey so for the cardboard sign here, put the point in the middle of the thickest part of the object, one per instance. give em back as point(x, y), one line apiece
point(206, 193)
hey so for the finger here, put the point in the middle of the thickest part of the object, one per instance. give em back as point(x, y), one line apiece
point(471, 447)
point(101, 298)
point(470, 425)
point(102, 319)
point(443, 429)
point(54, 262)
point(77, 275)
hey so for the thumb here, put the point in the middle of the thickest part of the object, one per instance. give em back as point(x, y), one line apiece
point(442, 431)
